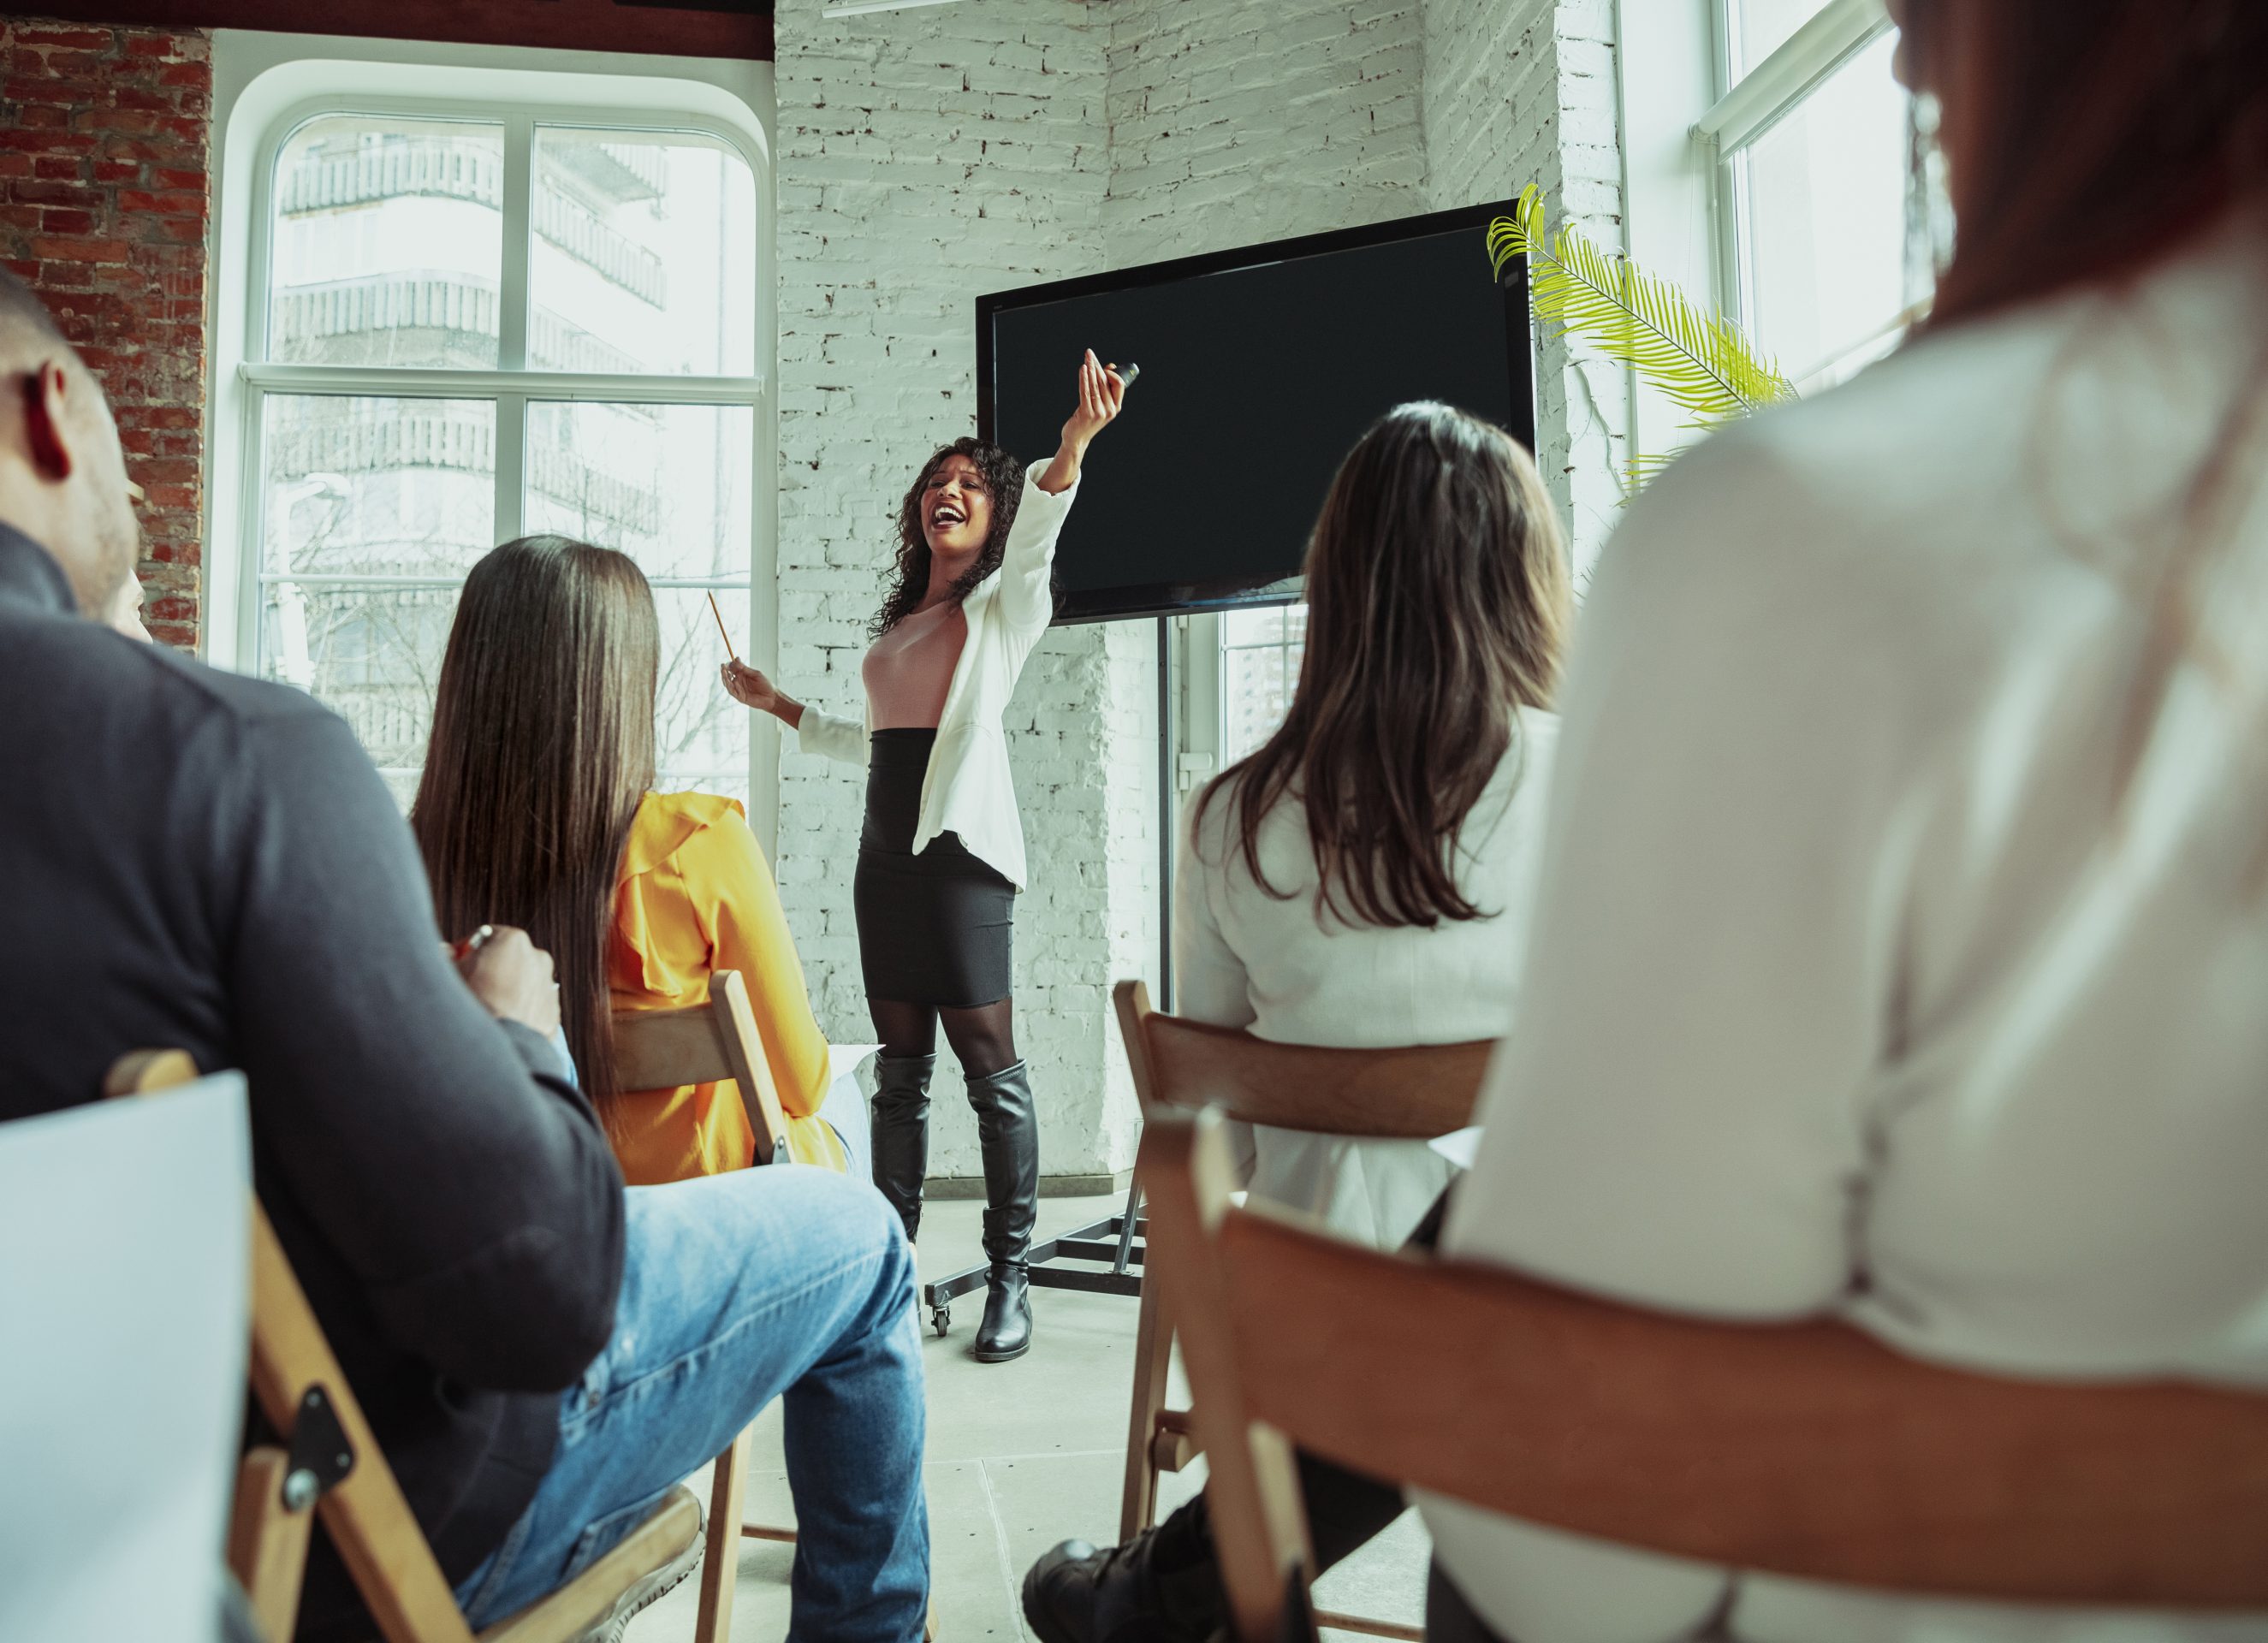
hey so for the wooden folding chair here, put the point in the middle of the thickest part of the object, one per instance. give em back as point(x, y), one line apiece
point(663, 1049)
point(325, 1457)
point(1808, 1450)
point(1411, 1093)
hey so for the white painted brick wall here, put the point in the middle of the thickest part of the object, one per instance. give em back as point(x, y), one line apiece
point(924, 157)
point(1231, 121)
point(1519, 92)
point(928, 156)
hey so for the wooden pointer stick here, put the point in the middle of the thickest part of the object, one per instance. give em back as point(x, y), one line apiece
point(721, 634)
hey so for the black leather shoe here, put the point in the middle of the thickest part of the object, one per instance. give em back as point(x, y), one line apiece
point(1006, 1331)
point(1076, 1595)
point(898, 1133)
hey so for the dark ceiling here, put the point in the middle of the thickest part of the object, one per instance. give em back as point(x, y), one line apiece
point(686, 28)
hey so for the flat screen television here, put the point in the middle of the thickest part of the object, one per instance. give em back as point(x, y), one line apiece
point(1260, 369)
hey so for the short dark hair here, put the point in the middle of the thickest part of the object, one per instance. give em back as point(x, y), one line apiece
point(22, 311)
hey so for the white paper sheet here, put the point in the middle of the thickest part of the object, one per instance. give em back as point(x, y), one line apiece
point(845, 1060)
point(1459, 1147)
point(124, 1317)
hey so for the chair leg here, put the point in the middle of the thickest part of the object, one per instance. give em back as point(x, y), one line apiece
point(1153, 1354)
point(720, 1557)
point(267, 1542)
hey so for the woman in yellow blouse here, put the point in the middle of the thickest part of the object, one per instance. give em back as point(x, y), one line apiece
point(697, 896)
point(534, 810)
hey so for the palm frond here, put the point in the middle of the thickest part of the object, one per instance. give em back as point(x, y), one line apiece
point(1641, 470)
point(1700, 362)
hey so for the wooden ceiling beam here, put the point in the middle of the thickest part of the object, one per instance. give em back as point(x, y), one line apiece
point(736, 29)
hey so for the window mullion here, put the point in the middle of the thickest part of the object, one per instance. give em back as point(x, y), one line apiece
point(518, 195)
point(511, 466)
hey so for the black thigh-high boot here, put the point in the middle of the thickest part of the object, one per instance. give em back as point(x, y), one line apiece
point(898, 1133)
point(1008, 1134)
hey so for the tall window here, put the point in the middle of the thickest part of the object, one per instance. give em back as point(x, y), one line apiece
point(1814, 183)
point(1260, 652)
point(480, 324)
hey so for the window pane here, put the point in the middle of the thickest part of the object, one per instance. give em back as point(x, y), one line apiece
point(701, 734)
point(1760, 27)
point(668, 484)
point(377, 487)
point(644, 253)
point(372, 654)
point(1824, 210)
point(388, 241)
point(1259, 669)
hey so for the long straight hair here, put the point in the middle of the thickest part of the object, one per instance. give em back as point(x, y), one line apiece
point(1437, 602)
point(543, 748)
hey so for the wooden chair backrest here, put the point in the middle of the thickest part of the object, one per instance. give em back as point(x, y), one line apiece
point(1805, 1449)
point(1414, 1093)
point(660, 1050)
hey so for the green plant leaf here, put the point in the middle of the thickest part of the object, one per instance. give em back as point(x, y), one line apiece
point(1699, 361)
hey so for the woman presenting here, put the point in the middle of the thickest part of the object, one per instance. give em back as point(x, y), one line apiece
point(941, 857)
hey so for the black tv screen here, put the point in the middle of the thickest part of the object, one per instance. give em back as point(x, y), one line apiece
point(1260, 369)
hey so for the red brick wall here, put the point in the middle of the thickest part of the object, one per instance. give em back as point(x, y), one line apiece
point(105, 136)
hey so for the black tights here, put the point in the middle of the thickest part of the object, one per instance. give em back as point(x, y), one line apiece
point(983, 1039)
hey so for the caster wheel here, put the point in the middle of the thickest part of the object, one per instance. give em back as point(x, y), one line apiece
point(940, 1319)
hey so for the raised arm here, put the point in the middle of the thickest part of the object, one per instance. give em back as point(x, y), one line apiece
point(1029, 559)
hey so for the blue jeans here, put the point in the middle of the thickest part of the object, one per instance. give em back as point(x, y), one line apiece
point(783, 1282)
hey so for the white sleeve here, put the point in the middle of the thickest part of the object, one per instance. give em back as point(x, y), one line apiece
point(1676, 1118)
point(1210, 983)
point(1028, 563)
point(839, 738)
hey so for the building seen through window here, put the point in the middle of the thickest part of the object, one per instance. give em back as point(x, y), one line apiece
point(1260, 652)
point(390, 252)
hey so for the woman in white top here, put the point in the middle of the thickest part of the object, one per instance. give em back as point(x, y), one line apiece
point(1363, 879)
point(1901, 952)
point(941, 857)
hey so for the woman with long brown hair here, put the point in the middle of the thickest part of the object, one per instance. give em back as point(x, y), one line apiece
point(1362, 880)
point(534, 810)
point(941, 857)
point(1902, 949)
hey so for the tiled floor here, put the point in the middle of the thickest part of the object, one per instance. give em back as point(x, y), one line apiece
point(1021, 1456)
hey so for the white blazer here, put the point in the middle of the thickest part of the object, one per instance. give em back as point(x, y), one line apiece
point(969, 790)
point(1275, 965)
point(1853, 990)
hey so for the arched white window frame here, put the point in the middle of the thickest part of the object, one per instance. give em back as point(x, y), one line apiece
point(269, 86)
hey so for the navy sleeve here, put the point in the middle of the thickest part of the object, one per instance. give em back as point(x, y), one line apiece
point(466, 1184)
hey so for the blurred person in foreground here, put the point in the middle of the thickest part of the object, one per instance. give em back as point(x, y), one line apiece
point(210, 863)
point(1901, 952)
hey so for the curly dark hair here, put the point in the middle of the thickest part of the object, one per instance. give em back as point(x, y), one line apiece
point(1004, 482)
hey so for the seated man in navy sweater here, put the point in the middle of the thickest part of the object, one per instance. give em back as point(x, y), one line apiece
point(207, 862)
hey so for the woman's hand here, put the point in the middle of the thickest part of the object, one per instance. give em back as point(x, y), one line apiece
point(751, 689)
point(1101, 393)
